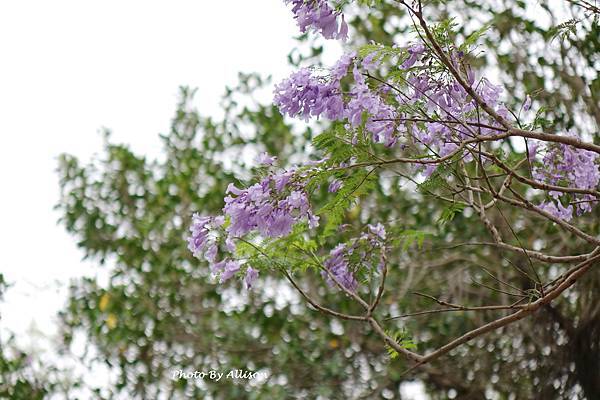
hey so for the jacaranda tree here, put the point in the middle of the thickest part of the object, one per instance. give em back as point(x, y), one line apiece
point(419, 112)
point(422, 209)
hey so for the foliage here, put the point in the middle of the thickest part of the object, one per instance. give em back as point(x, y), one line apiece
point(160, 312)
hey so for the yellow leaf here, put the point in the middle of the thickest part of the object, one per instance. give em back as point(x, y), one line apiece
point(111, 321)
point(103, 302)
point(334, 343)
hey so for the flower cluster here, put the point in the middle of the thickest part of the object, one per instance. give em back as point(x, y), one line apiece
point(203, 243)
point(449, 100)
point(334, 186)
point(318, 15)
point(564, 165)
point(308, 95)
point(266, 208)
point(338, 268)
point(270, 207)
point(364, 101)
point(420, 105)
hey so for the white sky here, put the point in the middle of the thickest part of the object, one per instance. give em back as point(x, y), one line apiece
point(69, 68)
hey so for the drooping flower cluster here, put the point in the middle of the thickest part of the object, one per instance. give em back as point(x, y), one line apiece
point(564, 165)
point(334, 186)
point(307, 95)
point(339, 268)
point(457, 113)
point(271, 207)
point(319, 16)
point(381, 116)
point(337, 264)
point(203, 243)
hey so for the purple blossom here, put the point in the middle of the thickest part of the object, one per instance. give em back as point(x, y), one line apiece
point(200, 239)
point(308, 96)
point(216, 268)
point(271, 207)
point(532, 150)
point(414, 52)
point(527, 103)
point(420, 85)
point(378, 230)
point(381, 115)
point(489, 93)
point(319, 16)
point(334, 186)
point(558, 210)
point(229, 270)
point(564, 165)
point(313, 221)
point(371, 62)
point(251, 276)
point(337, 265)
point(267, 208)
point(265, 159)
point(197, 240)
point(340, 68)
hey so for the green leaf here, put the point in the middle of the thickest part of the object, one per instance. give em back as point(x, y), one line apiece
point(450, 212)
point(475, 36)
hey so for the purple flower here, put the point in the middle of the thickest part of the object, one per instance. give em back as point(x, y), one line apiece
point(267, 208)
point(334, 186)
point(370, 62)
point(343, 32)
point(229, 270)
point(420, 85)
point(319, 16)
point(308, 96)
point(378, 230)
point(414, 52)
point(489, 93)
point(380, 121)
point(558, 210)
point(251, 275)
point(217, 267)
point(337, 265)
point(313, 221)
point(211, 253)
point(527, 103)
point(197, 240)
point(340, 68)
point(565, 165)
point(305, 95)
point(201, 240)
point(265, 159)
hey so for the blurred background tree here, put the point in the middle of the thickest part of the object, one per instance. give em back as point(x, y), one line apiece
point(159, 312)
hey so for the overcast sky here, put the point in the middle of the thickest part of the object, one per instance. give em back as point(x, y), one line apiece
point(70, 68)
